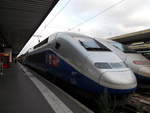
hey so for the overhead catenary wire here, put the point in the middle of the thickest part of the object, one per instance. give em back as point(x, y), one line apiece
point(59, 12)
point(52, 19)
point(87, 20)
point(98, 14)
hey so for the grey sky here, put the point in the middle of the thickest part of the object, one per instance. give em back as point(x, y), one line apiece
point(128, 16)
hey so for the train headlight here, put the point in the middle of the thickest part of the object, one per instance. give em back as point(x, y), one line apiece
point(118, 65)
point(103, 65)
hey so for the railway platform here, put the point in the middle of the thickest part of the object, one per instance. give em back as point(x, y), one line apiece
point(24, 91)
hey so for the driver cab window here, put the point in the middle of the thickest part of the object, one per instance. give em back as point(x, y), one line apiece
point(92, 45)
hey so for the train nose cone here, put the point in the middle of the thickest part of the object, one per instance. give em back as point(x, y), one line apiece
point(119, 80)
point(144, 71)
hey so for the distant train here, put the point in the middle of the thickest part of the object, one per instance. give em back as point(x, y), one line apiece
point(83, 62)
point(138, 63)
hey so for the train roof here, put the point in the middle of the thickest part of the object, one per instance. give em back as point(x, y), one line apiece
point(74, 34)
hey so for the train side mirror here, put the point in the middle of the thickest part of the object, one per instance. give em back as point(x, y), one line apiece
point(57, 45)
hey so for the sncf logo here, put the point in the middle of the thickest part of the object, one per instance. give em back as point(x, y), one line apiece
point(54, 60)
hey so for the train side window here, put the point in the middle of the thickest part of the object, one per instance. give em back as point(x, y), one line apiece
point(41, 43)
point(57, 45)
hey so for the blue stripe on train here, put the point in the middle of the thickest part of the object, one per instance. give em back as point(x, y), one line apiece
point(74, 77)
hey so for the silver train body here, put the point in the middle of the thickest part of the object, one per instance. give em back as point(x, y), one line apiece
point(83, 62)
point(136, 61)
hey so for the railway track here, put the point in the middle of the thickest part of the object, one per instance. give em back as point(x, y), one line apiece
point(140, 103)
point(144, 92)
point(137, 103)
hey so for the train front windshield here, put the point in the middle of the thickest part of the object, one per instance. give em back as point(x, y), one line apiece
point(92, 45)
point(122, 47)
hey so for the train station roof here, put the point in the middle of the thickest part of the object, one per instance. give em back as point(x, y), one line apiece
point(139, 36)
point(19, 19)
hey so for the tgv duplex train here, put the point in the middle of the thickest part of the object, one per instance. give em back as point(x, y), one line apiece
point(138, 63)
point(82, 62)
